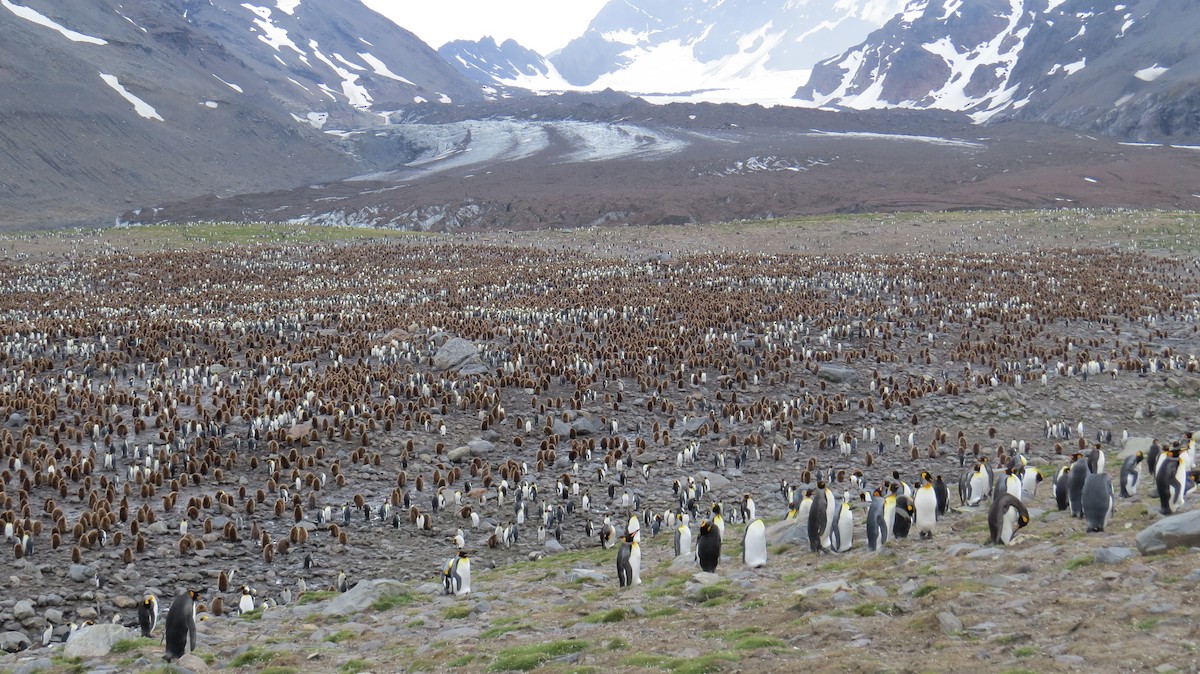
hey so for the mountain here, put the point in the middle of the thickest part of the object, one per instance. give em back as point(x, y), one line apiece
point(505, 64)
point(1127, 70)
point(717, 50)
point(109, 104)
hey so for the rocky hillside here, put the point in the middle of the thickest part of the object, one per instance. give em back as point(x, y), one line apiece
point(112, 104)
point(1126, 70)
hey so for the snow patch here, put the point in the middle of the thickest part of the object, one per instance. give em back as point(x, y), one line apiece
point(1122, 100)
point(314, 119)
point(287, 6)
point(40, 19)
point(1150, 74)
point(381, 68)
point(273, 35)
point(139, 106)
point(133, 22)
point(231, 85)
point(355, 93)
point(209, 104)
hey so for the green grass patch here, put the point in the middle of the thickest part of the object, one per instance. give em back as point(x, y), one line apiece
point(460, 661)
point(924, 590)
point(871, 608)
point(252, 657)
point(708, 593)
point(757, 641)
point(392, 600)
point(256, 614)
point(1078, 562)
point(500, 630)
point(419, 622)
point(340, 636)
point(314, 596)
point(836, 567)
point(1146, 625)
point(355, 666)
point(617, 644)
point(278, 670)
point(456, 612)
point(69, 665)
point(525, 658)
point(127, 645)
point(615, 615)
point(713, 662)
point(1025, 651)
point(663, 612)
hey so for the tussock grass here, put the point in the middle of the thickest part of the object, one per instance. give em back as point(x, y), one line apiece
point(525, 658)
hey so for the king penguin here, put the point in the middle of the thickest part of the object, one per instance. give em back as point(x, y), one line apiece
point(877, 527)
point(708, 547)
point(1098, 501)
point(943, 496)
point(683, 539)
point(1129, 474)
point(754, 545)
point(180, 634)
point(1005, 517)
point(148, 614)
point(978, 485)
point(629, 562)
point(925, 507)
point(904, 514)
point(1171, 480)
point(1060, 486)
point(246, 603)
point(818, 520)
point(458, 574)
point(842, 528)
point(1076, 478)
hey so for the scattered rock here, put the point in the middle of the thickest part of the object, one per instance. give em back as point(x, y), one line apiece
point(1111, 555)
point(13, 641)
point(23, 609)
point(1181, 530)
point(828, 586)
point(456, 353)
point(94, 641)
point(360, 597)
point(835, 373)
point(949, 623)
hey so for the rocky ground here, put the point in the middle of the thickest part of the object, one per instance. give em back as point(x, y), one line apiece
point(610, 326)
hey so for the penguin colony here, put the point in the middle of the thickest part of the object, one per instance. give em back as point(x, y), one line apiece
point(285, 409)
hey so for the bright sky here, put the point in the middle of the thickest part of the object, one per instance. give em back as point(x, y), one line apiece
point(541, 25)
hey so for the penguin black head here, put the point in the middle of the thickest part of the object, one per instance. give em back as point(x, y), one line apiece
point(196, 595)
point(462, 554)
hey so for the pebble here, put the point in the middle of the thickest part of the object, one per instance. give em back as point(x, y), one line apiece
point(949, 623)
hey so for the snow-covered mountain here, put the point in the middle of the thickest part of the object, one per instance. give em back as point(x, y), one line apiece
point(112, 103)
point(1127, 69)
point(717, 50)
point(505, 64)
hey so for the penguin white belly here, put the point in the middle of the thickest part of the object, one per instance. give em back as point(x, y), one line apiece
point(635, 564)
point(1008, 525)
point(925, 506)
point(683, 545)
point(845, 529)
point(978, 488)
point(463, 569)
point(1014, 486)
point(754, 545)
point(246, 603)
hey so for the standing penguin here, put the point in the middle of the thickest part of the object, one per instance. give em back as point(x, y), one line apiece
point(979, 486)
point(608, 534)
point(1098, 501)
point(180, 634)
point(818, 521)
point(842, 528)
point(904, 515)
point(877, 527)
point(683, 539)
point(943, 496)
point(148, 614)
point(458, 575)
point(1076, 478)
point(1096, 460)
point(1129, 474)
point(708, 547)
point(1060, 485)
point(754, 545)
point(805, 507)
point(925, 507)
point(1030, 478)
point(629, 562)
point(1005, 517)
point(1171, 480)
point(246, 603)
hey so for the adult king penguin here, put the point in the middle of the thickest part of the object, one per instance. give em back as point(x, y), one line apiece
point(457, 575)
point(1097, 500)
point(629, 561)
point(148, 614)
point(877, 526)
point(180, 634)
point(1075, 479)
point(1007, 515)
point(1129, 474)
point(708, 547)
point(818, 519)
point(754, 545)
point(1061, 487)
point(925, 507)
point(683, 539)
point(842, 528)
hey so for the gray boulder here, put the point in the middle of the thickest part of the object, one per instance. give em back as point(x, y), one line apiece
point(1135, 445)
point(1181, 530)
point(95, 641)
point(13, 642)
point(1111, 555)
point(23, 609)
point(360, 597)
point(715, 482)
point(456, 353)
point(835, 373)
